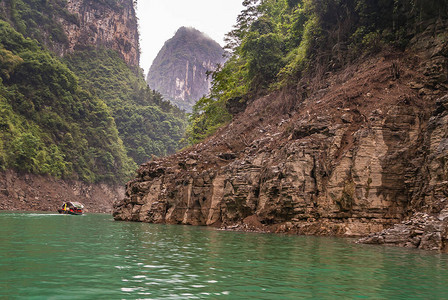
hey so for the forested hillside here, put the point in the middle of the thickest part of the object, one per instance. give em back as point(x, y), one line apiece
point(71, 108)
point(39, 20)
point(276, 43)
point(147, 124)
point(49, 124)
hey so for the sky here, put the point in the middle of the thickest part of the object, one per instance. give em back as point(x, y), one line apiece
point(160, 19)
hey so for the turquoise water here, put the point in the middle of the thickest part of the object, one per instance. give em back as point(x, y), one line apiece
point(48, 256)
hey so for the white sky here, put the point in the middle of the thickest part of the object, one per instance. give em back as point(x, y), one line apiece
point(160, 19)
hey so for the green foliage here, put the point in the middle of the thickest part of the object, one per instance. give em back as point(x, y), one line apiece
point(257, 45)
point(263, 50)
point(39, 19)
point(207, 116)
point(48, 125)
point(147, 124)
point(8, 62)
point(276, 41)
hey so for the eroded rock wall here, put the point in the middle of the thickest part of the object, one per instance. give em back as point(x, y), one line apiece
point(304, 182)
point(427, 226)
point(364, 151)
point(102, 25)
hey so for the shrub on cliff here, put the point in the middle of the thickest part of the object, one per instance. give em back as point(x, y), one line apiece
point(39, 19)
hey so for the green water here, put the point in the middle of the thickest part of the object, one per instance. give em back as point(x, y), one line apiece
point(48, 256)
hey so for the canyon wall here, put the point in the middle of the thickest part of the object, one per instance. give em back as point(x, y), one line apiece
point(71, 25)
point(349, 154)
point(113, 26)
point(63, 27)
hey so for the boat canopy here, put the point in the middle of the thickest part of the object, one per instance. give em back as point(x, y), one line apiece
point(78, 205)
point(74, 204)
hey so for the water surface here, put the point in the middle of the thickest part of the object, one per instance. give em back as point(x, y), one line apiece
point(50, 256)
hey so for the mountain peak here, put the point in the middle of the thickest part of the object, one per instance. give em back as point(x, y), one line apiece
point(179, 70)
point(192, 32)
point(186, 30)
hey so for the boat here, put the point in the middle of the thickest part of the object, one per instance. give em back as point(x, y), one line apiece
point(71, 208)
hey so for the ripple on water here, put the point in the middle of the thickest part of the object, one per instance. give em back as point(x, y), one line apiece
point(41, 255)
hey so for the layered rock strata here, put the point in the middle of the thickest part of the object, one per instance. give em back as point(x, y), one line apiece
point(349, 155)
point(427, 226)
point(422, 231)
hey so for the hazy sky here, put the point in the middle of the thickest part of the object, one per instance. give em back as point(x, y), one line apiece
point(159, 20)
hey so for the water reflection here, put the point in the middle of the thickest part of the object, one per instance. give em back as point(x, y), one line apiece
point(45, 256)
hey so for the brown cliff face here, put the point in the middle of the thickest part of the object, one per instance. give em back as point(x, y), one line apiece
point(100, 24)
point(352, 154)
point(80, 24)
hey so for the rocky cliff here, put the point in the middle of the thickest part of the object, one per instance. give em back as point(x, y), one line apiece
point(109, 24)
point(353, 153)
point(66, 26)
point(179, 70)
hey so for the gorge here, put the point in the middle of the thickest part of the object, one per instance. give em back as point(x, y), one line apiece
point(327, 119)
point(347, 153)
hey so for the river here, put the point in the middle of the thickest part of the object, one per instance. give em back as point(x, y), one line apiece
point(50, 256)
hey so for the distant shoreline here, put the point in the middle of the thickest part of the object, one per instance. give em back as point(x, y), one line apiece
point(30, 192)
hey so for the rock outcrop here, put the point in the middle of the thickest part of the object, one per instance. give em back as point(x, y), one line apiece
point(427, 227)
point(73, 25)
point(111, 25)
point(353, 154)
point(179, 72)
point(422, 231)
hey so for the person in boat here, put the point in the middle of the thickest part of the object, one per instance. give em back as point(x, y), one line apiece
point(75, 208)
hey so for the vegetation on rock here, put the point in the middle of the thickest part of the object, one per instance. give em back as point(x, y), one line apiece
point(276, 42)
point(38, 19)
point(48, 123)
